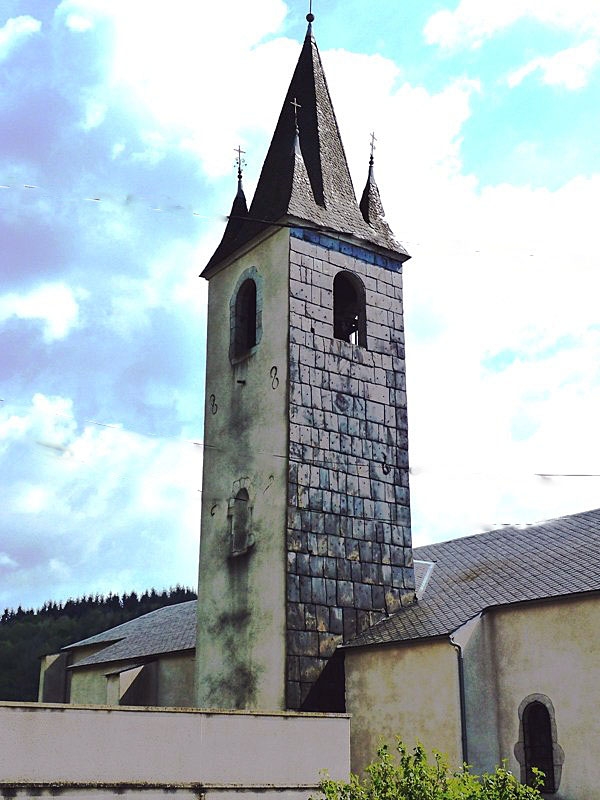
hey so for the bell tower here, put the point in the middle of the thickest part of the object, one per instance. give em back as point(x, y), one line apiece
point(305, 537)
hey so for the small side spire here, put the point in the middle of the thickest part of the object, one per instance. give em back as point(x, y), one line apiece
point(237, 216)
point(240, 196)
point(370, 204)
point(239, 209)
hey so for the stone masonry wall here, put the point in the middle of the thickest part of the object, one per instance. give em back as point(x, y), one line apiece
point(348, 529)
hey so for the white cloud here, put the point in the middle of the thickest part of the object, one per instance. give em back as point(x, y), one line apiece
point(504, 383)
point(59, 571)
point(7, 561)
point(171, 94)
point(95, 112)
point(117, 150)
point(78, 23)
point(570, 68)
point(16, 30)
point(418, 133)
point(54, 304)
point(47, 420)
point(472, 21)
point(165, 284)
point(114, 497)
point(32, 499)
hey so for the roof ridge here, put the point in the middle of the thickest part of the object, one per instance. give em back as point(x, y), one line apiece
point(96, 640)
point(513, 527)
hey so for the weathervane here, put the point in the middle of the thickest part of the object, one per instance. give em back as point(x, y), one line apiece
point(373, 140)
point(240, 162)
point(310, 16)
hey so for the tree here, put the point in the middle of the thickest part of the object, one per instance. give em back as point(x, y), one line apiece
point(413, 777)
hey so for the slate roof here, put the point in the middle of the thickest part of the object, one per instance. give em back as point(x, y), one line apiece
point(166, 630)
point(305, 177)
point(510, 565)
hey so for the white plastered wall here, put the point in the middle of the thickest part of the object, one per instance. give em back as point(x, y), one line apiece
point(241, 660)
point(410, 691)
point(127, 752)
point(550, 648)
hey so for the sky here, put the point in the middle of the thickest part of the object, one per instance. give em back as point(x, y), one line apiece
point(118, 123)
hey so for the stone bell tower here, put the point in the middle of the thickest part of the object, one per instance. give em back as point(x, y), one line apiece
point(305, 537)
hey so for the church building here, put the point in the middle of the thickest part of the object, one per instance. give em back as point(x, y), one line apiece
point(310, 595)
point(305, 518)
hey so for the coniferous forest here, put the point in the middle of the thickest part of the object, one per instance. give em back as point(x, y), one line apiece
point(26, 635)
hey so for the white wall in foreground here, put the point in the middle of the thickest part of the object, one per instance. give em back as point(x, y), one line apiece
point(103, 752)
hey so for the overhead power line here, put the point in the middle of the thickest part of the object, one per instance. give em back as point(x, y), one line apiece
point(343, 461)
point(171, 206)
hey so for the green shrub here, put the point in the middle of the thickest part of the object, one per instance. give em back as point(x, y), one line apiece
point(411, 776)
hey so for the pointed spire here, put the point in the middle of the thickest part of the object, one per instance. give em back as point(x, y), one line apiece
point(235, 222)
point(239, 207)
point(370, 203)
point(305, 176)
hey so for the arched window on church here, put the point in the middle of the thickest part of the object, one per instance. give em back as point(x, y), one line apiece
point(240, 523)
point(245, 308)
point(537, 741)
point(349, 309)
point(245, 318)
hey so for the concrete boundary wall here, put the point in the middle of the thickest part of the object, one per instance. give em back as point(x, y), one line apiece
point(102, 752)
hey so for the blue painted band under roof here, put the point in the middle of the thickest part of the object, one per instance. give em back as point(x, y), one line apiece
point(348, 249)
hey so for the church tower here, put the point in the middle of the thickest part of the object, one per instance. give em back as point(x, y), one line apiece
point(305, 537)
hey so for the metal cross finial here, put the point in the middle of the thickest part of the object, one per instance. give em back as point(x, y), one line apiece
point(240, 162)
point(296, 107)
point(373, 140)
point(310, 16)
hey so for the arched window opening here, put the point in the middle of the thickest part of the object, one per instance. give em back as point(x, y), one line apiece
point(349, 315)
point(245, 318)
point(537, 741)
point(245, 315)
point(240, 516)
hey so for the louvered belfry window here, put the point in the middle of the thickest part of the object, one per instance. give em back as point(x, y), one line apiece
point(349, 312)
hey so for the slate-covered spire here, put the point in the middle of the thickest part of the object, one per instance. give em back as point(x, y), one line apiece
point(237, 217)
point(370, 203)
point(239, 208)
point(332, 193)
point(305, 177)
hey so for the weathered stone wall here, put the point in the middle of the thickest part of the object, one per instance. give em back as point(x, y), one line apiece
point(348, 527)
point(241, 608)
point(101, 753)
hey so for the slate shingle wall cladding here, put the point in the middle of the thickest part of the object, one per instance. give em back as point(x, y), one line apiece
point(348, 528)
